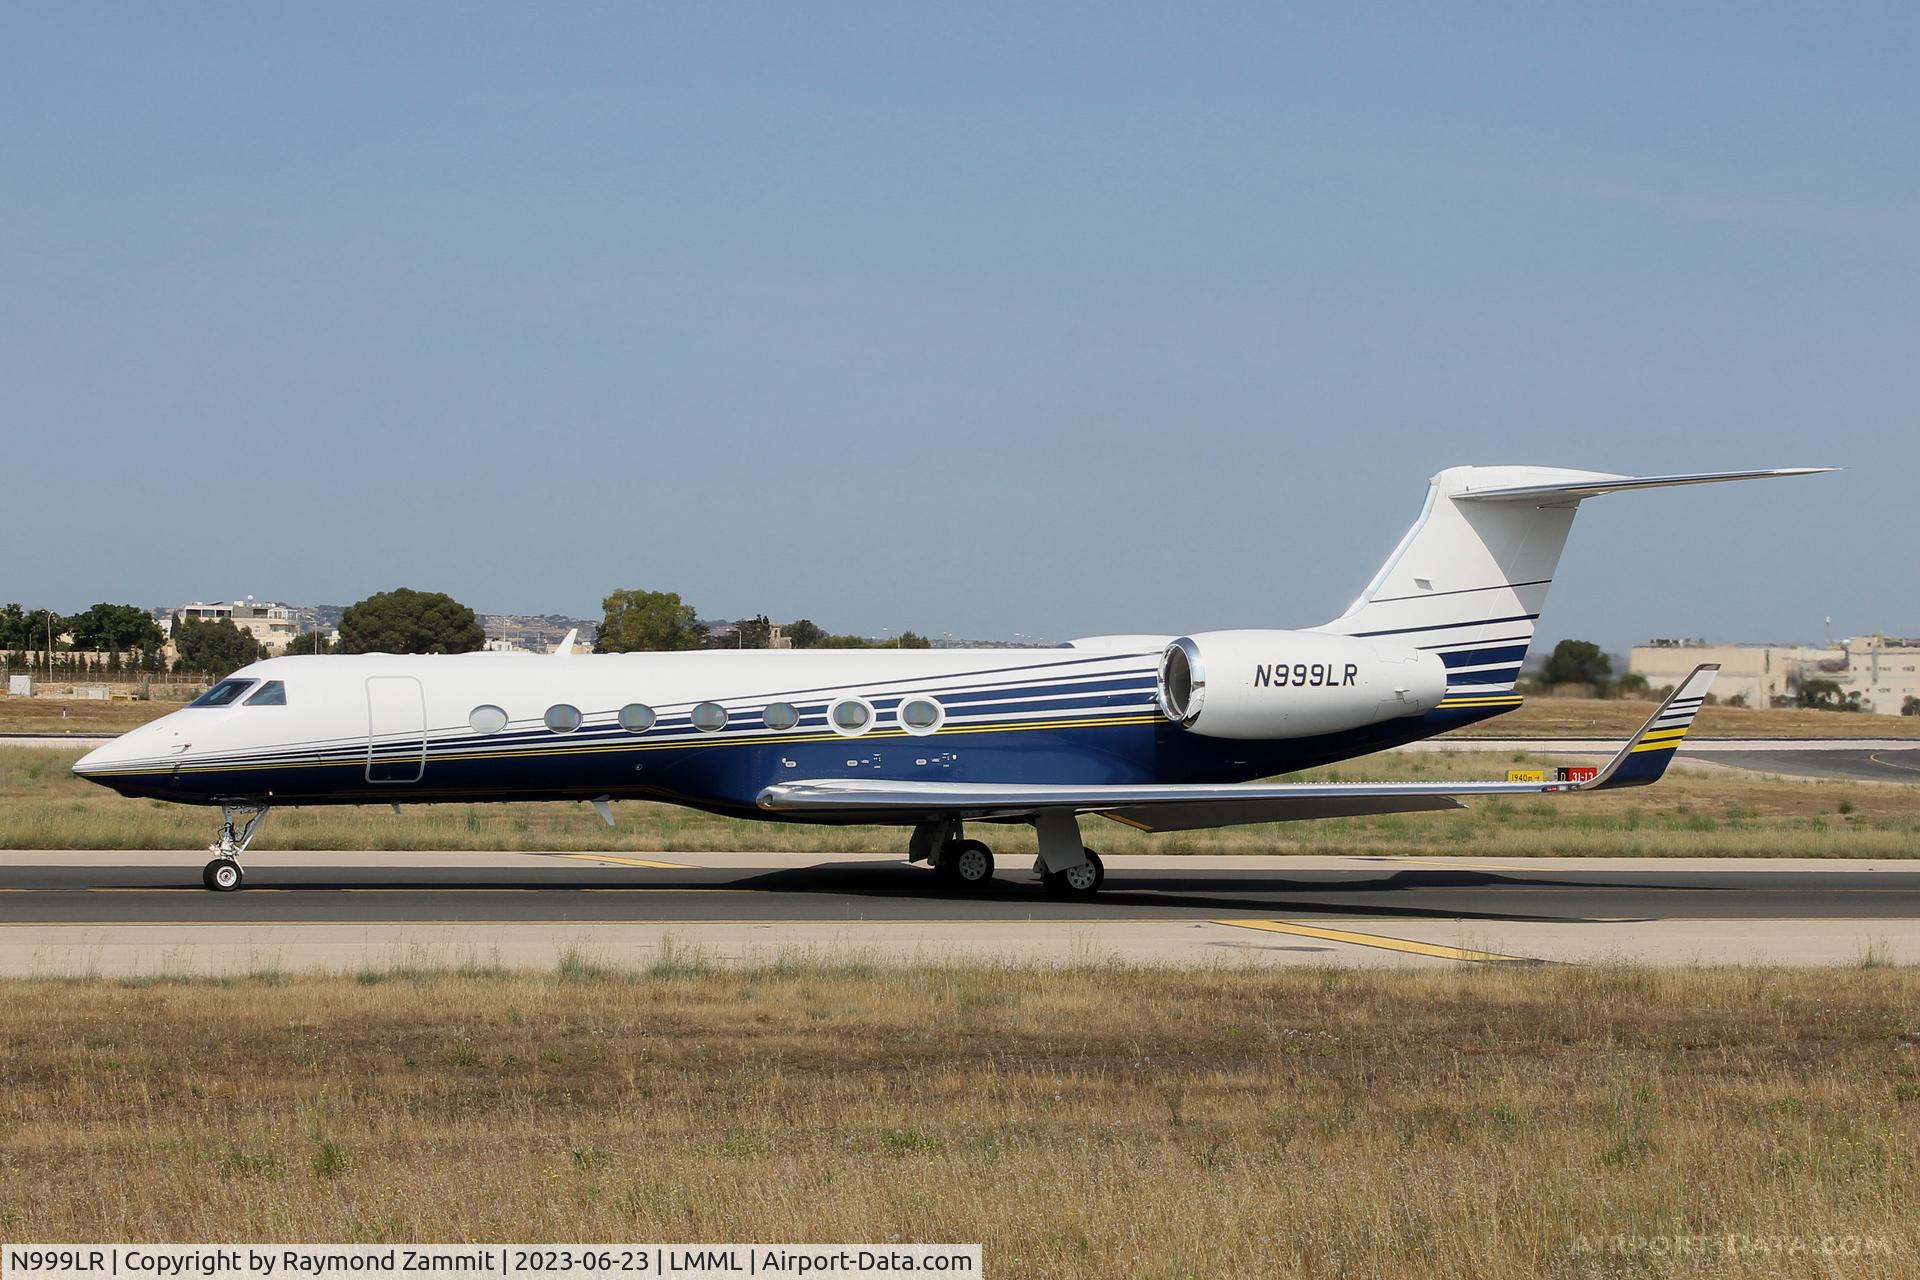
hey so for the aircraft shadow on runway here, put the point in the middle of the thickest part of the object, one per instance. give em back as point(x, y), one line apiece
point(1131, 893)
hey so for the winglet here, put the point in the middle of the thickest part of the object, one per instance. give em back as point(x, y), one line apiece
point(565, 648)
point(1649, 752)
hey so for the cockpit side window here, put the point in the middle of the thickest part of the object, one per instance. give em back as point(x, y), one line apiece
point(224, 694)
point(271, 694)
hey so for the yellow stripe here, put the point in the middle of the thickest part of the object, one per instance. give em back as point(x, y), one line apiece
point(1380, 941)
point(1654, 746)
point(628, 862)
point(1663, 735)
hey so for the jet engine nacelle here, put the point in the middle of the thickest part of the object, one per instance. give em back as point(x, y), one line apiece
point(1293, 684)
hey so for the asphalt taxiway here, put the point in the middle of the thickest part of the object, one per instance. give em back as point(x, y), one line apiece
point(145, 912)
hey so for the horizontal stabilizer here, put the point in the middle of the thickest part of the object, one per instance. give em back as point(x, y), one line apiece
point(1594, 483)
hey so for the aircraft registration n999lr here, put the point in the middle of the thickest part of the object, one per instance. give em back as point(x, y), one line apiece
point(1161, 732)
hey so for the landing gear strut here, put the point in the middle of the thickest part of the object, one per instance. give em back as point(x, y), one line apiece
point(240, 821)
point(1066, 867)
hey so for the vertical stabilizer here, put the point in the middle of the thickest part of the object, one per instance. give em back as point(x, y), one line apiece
point(1469, 580)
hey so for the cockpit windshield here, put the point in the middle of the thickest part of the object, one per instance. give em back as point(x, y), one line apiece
point(271, 694)
point(224, 694)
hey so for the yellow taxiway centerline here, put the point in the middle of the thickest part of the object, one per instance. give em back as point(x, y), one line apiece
point(627, 862)
point(1379, 940)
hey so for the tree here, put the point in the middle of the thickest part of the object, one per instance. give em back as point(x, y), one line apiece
point(114, 628)
point(1578, 662)
point(1825, 695)
point(14, 628)
point(905, 640)
point(407, 621)
point(1910, 706)
point(308, 642)
point(1631, 685)
point(20, 629)
point(749, 633)
point(647, 621)
point(805, 634)
point(214, 647)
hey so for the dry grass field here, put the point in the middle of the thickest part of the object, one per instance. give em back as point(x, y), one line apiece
point(1723, 814)
point(78, 716)
point(1489, 1123)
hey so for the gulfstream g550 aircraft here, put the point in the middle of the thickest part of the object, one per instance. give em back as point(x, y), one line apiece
point(1159, 732)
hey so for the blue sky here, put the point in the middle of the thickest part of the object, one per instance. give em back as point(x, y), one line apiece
point(977, 319)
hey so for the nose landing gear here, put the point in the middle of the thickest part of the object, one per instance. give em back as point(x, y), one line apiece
point(239, 822)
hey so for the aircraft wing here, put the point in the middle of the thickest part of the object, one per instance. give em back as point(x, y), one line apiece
point(1174, 807)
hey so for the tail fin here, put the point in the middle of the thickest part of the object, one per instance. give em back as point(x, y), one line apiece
point(1470, 579)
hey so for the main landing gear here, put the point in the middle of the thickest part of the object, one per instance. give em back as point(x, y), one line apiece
point(1080, 881)
point(1065, 866)
point(240, 821)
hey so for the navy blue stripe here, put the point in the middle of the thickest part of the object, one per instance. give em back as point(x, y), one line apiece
point(1450, 626)
point(1442, 650)
point(1502, 676)
point(1481, 657)
point(739, 725)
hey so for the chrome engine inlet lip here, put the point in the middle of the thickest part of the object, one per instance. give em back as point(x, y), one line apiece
point(1182, 681)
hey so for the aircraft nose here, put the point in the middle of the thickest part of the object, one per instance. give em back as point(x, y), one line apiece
point(135, 747)
point(99, 759)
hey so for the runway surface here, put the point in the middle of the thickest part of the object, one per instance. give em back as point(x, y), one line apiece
point(127, 912)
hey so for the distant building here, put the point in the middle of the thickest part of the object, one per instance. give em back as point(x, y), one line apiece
point(536, 633)
point(273, 625)
point(1883, 670)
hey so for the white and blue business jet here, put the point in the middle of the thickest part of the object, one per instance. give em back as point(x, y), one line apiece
point(1159, 732)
